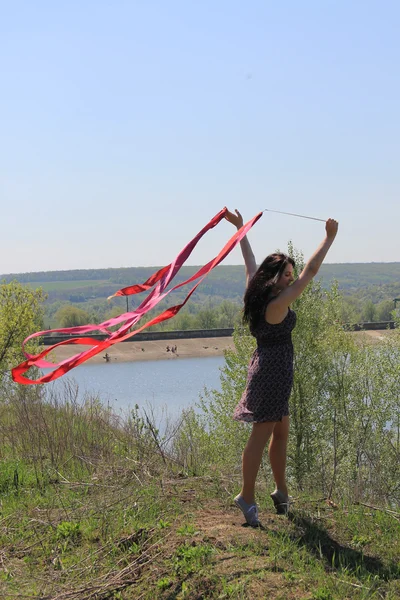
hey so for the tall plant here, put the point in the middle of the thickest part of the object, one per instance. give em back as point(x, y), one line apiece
point(345, 405)
point(21, 313)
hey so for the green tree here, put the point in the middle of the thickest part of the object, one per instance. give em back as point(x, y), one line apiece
point(183, 321)
point(21, 313)
point(345, 407)
point(71, 316)
point(350, 310)
point(228, 313)
point(369, 311)
point(384, 310)
point(206, 319)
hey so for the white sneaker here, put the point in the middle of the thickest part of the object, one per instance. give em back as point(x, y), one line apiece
point(250, 511)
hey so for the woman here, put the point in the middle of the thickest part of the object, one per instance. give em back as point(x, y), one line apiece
point(270, 290)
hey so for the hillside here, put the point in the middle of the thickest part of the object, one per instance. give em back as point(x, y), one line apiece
point(225, 282)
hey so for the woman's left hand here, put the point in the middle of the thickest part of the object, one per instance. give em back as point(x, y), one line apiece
point(331, 227)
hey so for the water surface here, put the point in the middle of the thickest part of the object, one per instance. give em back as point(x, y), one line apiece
point(174, 384)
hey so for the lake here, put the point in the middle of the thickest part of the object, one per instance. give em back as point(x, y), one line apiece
point(174, 384)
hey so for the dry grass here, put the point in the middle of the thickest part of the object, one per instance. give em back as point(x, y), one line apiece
point(95, 507)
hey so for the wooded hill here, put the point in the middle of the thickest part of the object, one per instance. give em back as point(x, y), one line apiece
point(368, 290)
point(226, 281)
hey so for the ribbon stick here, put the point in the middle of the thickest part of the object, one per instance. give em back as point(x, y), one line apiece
point(160, 279)
point(293, 214)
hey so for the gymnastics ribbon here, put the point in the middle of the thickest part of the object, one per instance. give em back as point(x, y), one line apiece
point(160, 279)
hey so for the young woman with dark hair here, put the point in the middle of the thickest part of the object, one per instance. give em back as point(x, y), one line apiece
point(270, 290)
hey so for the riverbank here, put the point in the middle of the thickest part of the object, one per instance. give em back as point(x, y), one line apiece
point(185, 348)
point(154, 350)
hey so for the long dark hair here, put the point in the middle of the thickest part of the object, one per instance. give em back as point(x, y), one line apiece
point(261, 286)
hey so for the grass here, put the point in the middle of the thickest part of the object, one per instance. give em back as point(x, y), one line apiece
point(110, 536)
point(93, 508)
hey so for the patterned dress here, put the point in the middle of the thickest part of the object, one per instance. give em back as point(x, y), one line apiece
point(270, 373)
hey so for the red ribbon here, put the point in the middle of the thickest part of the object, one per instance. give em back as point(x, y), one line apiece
point(161, 278)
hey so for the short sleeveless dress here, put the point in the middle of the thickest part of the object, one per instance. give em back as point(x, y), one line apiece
point(270, 373)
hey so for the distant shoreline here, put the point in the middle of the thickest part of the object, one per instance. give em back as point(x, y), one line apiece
point(186, 348)
point(153, 350)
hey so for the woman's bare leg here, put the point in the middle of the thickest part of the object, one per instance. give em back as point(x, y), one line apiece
point(277, 453)
point(252, 456)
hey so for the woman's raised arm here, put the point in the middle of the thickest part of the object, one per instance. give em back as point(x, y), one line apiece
point(277, 308)
point(247, 252)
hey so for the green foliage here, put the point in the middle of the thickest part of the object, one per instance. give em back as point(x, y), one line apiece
point(189, 558)
point(121, 518)
point(71, 316)
point(322, 593)
point(21, 314)
point(43, 433)
point(206, 319)
point(68, 530)
point(221, 293)
point(344, 395)
point(13, 474)
point(188, 529)
point(164, 583)
point(351, 310)
point(350, 275)
point(345, 406)
point(384, 310)
point(360, 541)
point(163, 524)
point(211, 437)
point(369, 311)
point(359, 275)
point(192, 445)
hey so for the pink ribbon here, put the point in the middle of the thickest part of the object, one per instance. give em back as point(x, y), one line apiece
point(161, 278)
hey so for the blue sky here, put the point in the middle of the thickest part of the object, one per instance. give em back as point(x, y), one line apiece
point(125, 126)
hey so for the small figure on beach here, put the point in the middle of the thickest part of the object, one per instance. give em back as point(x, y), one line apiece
point(168, 348)
point(270, 290)
point(107, 357)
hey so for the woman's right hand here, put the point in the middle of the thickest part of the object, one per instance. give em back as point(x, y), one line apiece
point(236, 220)
point(249, 260)
point(331, 228)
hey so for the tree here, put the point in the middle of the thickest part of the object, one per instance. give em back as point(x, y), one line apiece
point(21, 313)
point(206, 319)
point(183, 321)
point(344, 407)
point(71, 316)
point(350, 310)
point(384, 310)
point(228, 313)
point(369, 311)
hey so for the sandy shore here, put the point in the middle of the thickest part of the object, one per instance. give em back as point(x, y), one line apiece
point(153, 350)
point(186, 348)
